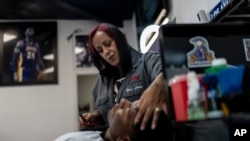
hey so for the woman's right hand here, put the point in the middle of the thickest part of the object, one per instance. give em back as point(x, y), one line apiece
point(90, 120)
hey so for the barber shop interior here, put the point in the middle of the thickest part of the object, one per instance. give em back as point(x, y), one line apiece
point(124, 70)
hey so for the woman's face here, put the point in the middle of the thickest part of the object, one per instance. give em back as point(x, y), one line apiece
point(106, 47)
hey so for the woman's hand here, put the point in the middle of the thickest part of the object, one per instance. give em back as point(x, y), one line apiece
point(90, 120)
point(152, 101)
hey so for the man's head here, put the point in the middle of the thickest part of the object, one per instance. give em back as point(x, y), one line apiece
point(29, 31)
point(121, 125)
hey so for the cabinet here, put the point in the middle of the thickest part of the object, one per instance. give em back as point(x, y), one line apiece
point(85, 84)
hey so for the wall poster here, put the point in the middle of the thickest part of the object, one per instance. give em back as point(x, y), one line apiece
point(28, 53)
point(83, 61)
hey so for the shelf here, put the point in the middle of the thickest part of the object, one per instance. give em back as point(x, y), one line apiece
point(236, 11)
point(86, 71)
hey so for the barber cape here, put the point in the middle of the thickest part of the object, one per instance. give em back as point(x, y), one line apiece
point(81, 136)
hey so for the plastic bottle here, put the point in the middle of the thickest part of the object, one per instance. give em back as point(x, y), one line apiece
point(217, 65)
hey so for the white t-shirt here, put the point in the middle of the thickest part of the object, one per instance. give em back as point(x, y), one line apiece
point(81, 136)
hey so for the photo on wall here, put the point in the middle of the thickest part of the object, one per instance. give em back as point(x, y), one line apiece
point(28, 53)
point(83, 60)
point(246, 43)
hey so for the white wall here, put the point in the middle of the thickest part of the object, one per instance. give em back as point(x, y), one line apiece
point(42, 113)
point(186, 11)
point(130, 30)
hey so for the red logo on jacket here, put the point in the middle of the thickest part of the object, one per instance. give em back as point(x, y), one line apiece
point(134, 77)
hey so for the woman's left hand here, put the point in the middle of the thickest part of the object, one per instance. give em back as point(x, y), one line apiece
point(152, 101)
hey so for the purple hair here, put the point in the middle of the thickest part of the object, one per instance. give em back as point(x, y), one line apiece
point(122, 46)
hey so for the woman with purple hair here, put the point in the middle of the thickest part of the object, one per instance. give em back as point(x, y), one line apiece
point(123, 73)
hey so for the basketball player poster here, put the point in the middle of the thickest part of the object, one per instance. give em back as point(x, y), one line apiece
point(29, 53)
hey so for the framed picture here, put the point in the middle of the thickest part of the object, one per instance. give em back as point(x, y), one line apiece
point(28, 53)
point(246, 43)
point(83, 60)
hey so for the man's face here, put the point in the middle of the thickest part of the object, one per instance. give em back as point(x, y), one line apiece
point(29, 32)
point(121, 121)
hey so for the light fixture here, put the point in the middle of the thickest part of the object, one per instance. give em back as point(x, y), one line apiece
point(144, 45)
point(165, 21)
point(161, 16)
point(150, 34)
point(8, 37)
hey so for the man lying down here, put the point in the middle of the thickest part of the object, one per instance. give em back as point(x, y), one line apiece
point(121, 127)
